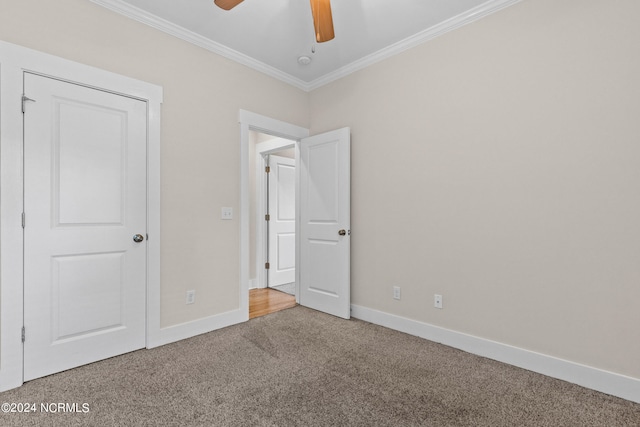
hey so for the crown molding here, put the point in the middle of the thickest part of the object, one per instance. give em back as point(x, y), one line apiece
point(451, 24)
point(437, 30)
point(163, 25)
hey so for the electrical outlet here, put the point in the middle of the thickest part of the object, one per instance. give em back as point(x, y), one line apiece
point(191, 297)
point(396, 292)
point(437, 301)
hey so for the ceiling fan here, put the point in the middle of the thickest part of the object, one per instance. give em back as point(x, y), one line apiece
point(320, 9)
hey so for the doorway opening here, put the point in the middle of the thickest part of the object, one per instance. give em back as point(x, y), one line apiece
point(252, 240)
point(322, 212)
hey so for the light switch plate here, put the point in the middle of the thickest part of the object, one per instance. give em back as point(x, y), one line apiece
point(227, 213)
point(191, 297)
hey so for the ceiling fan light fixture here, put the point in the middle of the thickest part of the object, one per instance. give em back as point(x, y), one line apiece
point(322, 20)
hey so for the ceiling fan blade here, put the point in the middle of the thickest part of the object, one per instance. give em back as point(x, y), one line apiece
point(322, 20)
point(227, 4)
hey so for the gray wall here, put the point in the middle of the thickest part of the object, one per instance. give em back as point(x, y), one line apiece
point(499, 165)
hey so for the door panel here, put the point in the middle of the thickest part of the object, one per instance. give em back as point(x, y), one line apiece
point(282, 226)
point(89, 150)
point(286, 253)
point(324, 179)
point(322, 164)
point(87, 287)
point(85, 198)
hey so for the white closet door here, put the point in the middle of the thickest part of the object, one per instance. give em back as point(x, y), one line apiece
point(85, 200)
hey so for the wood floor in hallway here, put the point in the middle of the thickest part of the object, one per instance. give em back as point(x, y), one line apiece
point(265, 301)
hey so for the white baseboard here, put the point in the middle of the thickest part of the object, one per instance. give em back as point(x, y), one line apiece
point(585, 376)
point(253, 283)
point(197, 327)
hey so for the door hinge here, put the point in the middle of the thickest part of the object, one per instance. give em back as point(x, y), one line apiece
point(267, 217)
point(267, 265)
point(25, 99)
point(23, 334)
point(22, 219)
point(267, 169)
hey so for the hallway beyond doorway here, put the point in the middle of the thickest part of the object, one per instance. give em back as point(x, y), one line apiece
point(265, 301)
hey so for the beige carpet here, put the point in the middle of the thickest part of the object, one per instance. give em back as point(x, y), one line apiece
point(298, 367)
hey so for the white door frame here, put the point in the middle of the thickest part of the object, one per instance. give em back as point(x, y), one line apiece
point(14, 60)
point(255, 122)
point(263, 149)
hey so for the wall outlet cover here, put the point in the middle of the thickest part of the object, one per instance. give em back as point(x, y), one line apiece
point(437, 301)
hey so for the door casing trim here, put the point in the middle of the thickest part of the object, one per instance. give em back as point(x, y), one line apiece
point(14, 61)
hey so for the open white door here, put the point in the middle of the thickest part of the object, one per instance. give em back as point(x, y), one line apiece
point(282, 221)
point(324, 199)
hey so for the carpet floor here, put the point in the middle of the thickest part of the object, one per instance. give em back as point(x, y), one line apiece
point(298, 367)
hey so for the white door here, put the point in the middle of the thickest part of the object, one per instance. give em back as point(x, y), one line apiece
point(282, 220)
point(84, 200)
point(324, 225)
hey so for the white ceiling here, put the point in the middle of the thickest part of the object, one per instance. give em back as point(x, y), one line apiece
point(270, 35)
